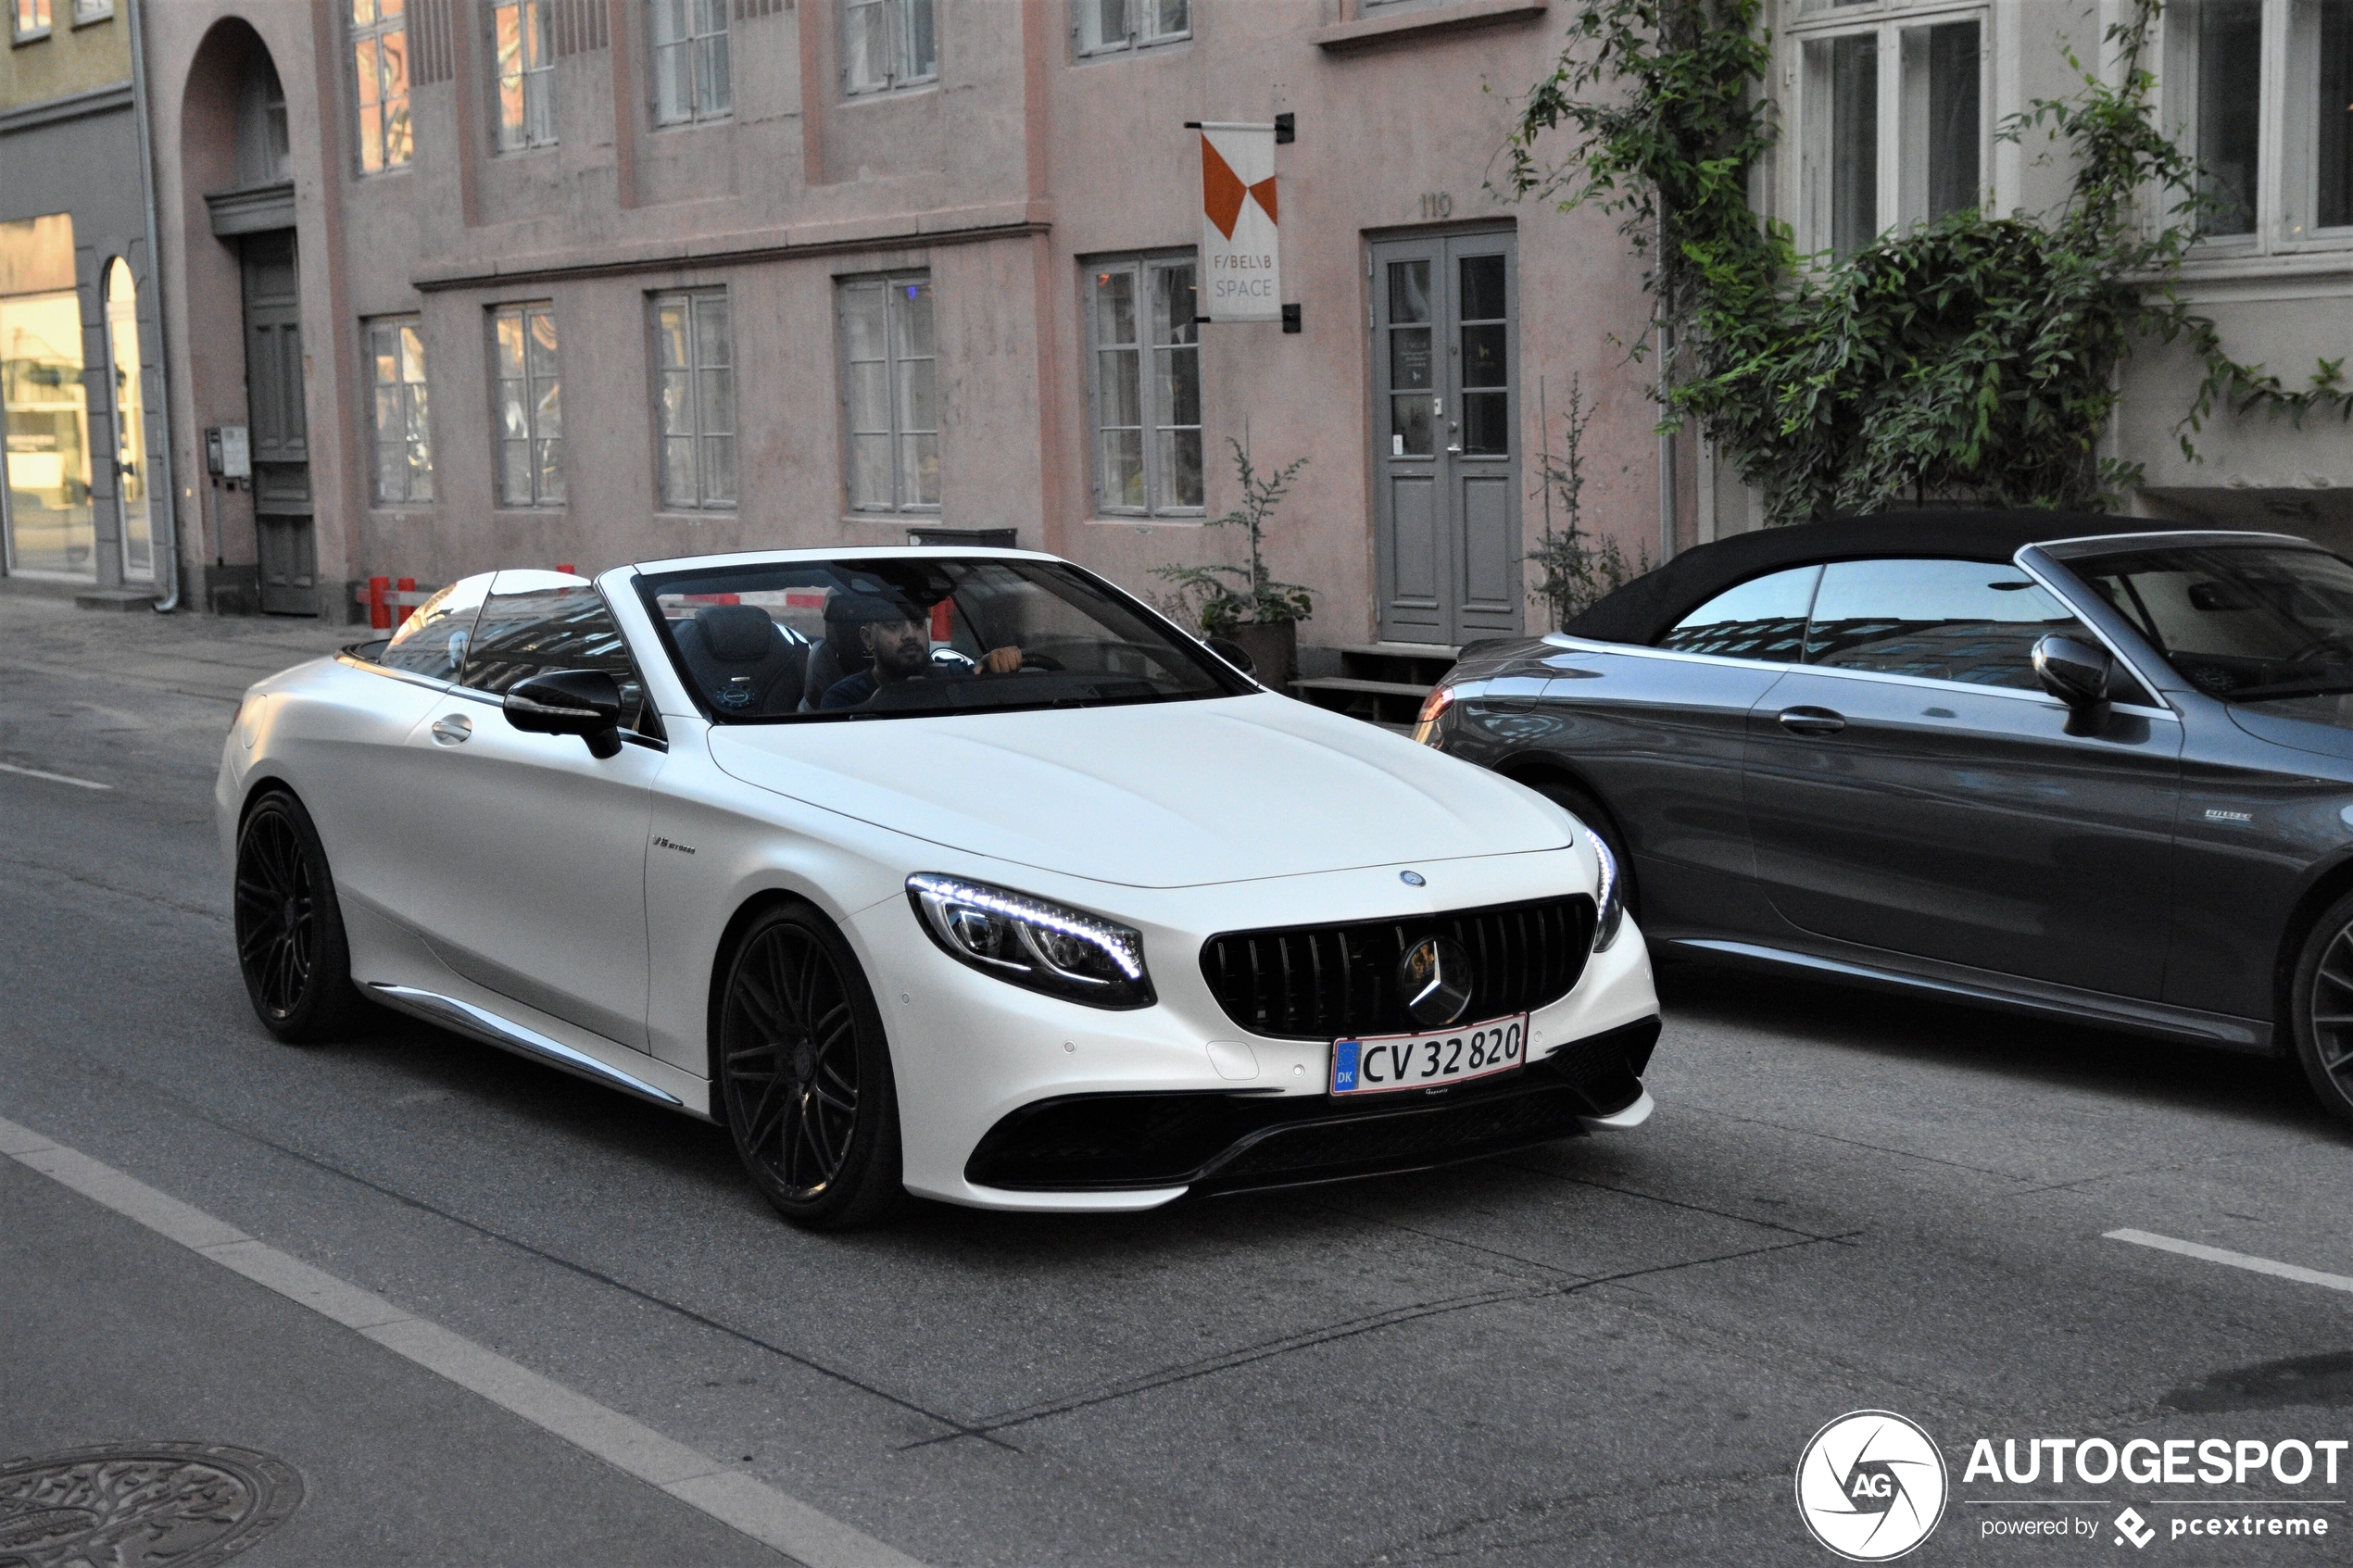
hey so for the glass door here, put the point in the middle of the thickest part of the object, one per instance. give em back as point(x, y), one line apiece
point(130, 421)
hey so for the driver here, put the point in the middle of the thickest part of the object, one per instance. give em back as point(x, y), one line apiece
point(897, 635)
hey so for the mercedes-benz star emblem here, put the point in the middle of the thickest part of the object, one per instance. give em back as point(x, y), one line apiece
point(1433, 979)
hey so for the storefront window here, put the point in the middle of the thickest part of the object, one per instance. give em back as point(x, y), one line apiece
point(48, 406)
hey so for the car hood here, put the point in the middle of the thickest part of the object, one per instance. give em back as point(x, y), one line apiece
point(1161, 795)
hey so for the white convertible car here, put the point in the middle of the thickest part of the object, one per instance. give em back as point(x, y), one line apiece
point(957, 872)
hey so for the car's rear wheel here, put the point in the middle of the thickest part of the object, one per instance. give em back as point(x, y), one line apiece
point(1594, 815)
point(289, 926)
point(804, 1073)
point(2321, 1003)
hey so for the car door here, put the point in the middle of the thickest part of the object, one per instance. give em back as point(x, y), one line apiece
point(532, 850)
point(1658, 734)
point(1911, 789)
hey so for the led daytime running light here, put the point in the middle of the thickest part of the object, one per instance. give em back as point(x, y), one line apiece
point(1039, 945)
point(1608, 897)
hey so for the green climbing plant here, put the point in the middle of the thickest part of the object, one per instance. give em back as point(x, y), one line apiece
point(1973, 358)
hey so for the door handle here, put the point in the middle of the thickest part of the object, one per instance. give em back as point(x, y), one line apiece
point(1456, 450)
point(452, 729)
point(1812, 721)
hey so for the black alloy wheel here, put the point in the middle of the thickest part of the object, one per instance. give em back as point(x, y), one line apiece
point(289, 926)
point(2321, 1003)
point(804, 1075)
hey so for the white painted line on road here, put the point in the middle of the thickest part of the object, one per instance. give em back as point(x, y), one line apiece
point(53, 778)
point(2235, 1260)
point(733, 1499)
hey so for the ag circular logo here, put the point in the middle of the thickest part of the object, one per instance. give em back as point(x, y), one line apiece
point(1871, 1486)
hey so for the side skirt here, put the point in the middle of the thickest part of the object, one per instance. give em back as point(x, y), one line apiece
point(1981, 987)
point(599, 1061)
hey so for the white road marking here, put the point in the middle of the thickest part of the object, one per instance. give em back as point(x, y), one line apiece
point(736, 1499)
point(2235, 1260)
point(53, 778)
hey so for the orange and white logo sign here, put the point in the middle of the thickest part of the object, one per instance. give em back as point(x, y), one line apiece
point(1241, 261)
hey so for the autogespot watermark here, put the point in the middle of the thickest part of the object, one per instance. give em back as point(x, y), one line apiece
point(1872, 1484)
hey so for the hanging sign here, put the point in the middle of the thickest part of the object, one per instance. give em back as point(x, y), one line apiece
point(1240, 258)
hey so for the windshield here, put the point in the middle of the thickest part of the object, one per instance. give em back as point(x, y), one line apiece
point(882, 638)
point(2250, 623)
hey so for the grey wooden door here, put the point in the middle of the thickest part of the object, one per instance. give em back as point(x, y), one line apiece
point(285, 542)
point(1445, 372)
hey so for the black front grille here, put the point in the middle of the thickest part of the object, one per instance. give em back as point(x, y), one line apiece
point(1336, 982)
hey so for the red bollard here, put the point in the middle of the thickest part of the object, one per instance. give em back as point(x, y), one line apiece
point(400, 612)
point(379, 612)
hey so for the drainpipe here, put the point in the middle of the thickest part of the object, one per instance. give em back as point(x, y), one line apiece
point(1665, 458)
point(166, 548)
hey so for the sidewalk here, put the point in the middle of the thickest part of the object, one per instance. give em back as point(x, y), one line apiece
point(200, 656)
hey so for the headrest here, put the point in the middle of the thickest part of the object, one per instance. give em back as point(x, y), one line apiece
point(737, 634)
point(865, 609)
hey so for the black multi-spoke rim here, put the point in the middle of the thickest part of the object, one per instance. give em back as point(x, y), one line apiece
point(788, 1056)
point(2332, 1004)
point(277, 913)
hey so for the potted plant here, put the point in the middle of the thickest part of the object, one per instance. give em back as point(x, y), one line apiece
point(1244, 604)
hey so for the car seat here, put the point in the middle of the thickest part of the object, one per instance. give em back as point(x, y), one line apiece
point(745, 665)
point(838, 657)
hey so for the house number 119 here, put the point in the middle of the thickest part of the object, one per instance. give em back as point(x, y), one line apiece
point(1437, 204)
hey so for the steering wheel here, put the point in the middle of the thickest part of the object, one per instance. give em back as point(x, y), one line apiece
point(1039, 664)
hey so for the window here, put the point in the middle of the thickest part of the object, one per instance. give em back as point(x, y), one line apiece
point(888, 44)
point(433, 642)
point(380, 75)
point(399, 411)
point(88, 11)
point(526, 59)
point(1877, 153)
point(44, 402)
point(531, 419)
point(1763, 618)
point(691, 80)
point(1112, 26)
point(890, 393)
point(2260, 91)
point(1148, 436)
point(695, 359)
point(1936, 619)
point(27, 19)
point(550, 624)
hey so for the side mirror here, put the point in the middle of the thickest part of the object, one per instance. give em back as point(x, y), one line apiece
point(2077, 673)
point(1232, 653)
point(569, 702)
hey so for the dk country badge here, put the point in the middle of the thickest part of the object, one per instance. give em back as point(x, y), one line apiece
point(1871, 1486)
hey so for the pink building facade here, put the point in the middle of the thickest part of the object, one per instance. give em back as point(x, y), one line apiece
point(583, 281)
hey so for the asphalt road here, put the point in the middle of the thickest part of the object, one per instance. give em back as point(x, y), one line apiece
point(1612, 1350)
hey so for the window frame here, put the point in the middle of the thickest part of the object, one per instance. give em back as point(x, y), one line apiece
point(531, 20)
point(697, 300)
point(1134, 41)
point(2287, 155)
point(522, 313)
point(88, 11)
point(1886, 21)
point(21, 30)
point(889, 284)
point(692, 44)
point(899, 31)
point(381, 24)
point(409, 500)
point(1141, 265)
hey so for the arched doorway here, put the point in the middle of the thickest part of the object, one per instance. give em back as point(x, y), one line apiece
point(127, 369)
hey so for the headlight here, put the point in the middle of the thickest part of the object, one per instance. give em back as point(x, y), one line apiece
point(1609, 897)
point(1027, 941)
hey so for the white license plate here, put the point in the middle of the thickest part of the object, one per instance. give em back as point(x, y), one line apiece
point(1385, 1063)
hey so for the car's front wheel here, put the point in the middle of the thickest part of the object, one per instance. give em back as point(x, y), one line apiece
point(289, 926)
point(2320, 1008)
point(804, 1073)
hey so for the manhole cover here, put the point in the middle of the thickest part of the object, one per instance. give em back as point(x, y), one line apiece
point(152, 1505)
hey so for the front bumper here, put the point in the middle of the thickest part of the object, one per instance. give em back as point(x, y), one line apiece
point(972, 1054)
point(1217, 1143)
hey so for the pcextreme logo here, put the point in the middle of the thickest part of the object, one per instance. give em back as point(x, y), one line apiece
point(1871, 1486)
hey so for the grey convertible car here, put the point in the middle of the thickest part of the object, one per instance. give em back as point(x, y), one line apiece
point(2058, 763)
